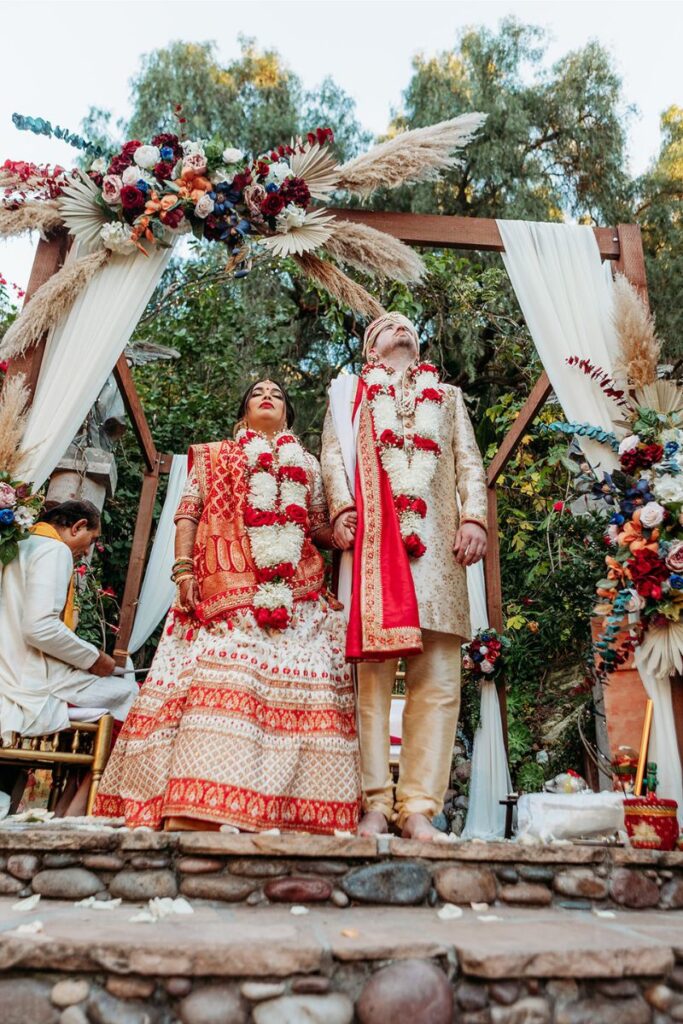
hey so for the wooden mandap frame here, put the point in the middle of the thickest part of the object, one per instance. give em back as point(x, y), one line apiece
point(621, 245)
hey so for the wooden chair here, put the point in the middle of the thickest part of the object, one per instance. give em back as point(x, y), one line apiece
point(81, 745)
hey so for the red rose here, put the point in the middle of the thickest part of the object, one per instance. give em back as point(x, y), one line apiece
point(558, 506)
point(283, 571)
point(285, 439)
point(295, 473)
point(163, 171)
point(427, 368)
point(278, 618)
point(648, 573)
point(297, 514)
point(295, 190)
point(119, 165)
point(272, 204)
point(405, 504)
point(430, 395)
point(240, 181)
point(425, 444)
point(324, 135)
point(167, 139)
point(265, 460)
point(132, 198)
point(641, 457)
point(257, 517)
point(389, 437)
point(130, 147)
point(262, 169)
point(414, 546)
point(172, 218)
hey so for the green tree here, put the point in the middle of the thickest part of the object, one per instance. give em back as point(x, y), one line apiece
point(660, 195)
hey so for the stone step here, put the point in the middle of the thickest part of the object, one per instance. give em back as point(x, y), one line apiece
point(70, 862)
point(268, 965)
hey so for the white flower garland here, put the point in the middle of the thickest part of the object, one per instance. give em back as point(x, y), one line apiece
point(410, 463)
point(276, 519)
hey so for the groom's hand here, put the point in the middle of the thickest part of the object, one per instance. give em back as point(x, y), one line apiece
point(470, 544)
point(344, 529)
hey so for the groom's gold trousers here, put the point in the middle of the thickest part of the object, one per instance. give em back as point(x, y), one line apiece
point(430, 720)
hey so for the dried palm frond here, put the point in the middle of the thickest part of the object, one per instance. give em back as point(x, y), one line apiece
point(417, 155)
point(318, 167)
point(51, 302)
point(13, 414)
point(43, 217)
point(82, 212)
point(374, 252)
point(639, 346)
point(312, 234)
point(663, 396)
point(339, 286)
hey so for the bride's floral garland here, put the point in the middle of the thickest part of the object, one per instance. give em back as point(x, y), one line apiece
point(276, 517)
point(410, 463)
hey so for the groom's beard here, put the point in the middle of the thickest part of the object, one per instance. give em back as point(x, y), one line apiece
point(403, 341)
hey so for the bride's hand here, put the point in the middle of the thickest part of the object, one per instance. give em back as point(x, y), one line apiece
point(188, 594)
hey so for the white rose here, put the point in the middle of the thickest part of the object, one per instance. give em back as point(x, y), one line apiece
point(146, 156)
point(99, 166)
point(204, 206)
point(635, 602)
point(24, 517)
point(278, 172)
point(629, 443)
point(486, 666)
point(613, 533)
point(669, 488)
point(231, 155)
point(132, 175)
point(116, 238)
point(651, 515)
point(190, 147)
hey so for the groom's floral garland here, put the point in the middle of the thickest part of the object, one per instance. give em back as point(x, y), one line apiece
point(410, 463)
point(276, 518)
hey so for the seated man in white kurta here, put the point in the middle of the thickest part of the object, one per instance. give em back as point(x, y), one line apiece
point(44, 665)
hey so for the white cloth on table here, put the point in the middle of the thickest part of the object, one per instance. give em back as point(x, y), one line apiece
point(44, 664)
point(80, 352)
point(566, 298)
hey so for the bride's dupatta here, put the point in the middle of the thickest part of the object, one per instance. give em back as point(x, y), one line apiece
point(384, 620)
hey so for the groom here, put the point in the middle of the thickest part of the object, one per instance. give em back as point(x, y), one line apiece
point(406, 489)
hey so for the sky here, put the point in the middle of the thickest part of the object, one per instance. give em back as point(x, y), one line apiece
point(79, 54)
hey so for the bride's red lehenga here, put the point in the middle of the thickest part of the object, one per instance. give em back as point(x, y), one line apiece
point(236, 724)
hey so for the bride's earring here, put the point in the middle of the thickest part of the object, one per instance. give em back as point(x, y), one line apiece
point(373, 357)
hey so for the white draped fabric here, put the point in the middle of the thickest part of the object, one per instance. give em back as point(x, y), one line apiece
point(341, 393)
point(157, 588)
point(564, 294)
point(80, 353)
point(663, 742)
point(490, 779)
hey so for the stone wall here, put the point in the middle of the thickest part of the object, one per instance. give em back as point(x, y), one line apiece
point(137, 865)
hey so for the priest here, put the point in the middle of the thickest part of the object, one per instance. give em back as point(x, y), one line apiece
point(407, 495)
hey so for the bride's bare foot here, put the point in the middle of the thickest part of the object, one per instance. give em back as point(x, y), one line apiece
point(417, 826)
point(373, 824)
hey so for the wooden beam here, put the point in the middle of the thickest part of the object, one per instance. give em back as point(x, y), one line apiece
point(136, 564)
point(631, 260)
point(478, 233)
point(525, 417)
point(49, 258)
point(131, 400)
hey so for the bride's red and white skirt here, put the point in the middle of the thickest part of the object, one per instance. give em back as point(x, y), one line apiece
point(235, 725)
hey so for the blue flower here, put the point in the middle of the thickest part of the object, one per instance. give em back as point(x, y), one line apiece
point(272, 187)
point(618, 519)
point(224, 198)
point(676, 582)
point(142, 185)
point(6, 517)
point(166, 153)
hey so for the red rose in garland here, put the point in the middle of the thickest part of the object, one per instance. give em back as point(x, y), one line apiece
point(163, 171)
point(132, 199)
point(272, 204)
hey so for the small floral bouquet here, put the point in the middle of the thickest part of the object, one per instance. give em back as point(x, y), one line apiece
point(484, 655)
point(18, 512)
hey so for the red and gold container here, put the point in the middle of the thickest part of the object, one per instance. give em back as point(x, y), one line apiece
point(651, 823)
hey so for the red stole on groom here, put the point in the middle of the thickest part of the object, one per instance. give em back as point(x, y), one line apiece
point(384, 621)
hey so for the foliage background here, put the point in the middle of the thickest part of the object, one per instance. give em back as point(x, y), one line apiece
point(553, 147)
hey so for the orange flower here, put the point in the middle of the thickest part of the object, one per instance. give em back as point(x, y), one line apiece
point(168, 202)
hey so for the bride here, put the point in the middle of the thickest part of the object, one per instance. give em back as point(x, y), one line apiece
point(247, 716)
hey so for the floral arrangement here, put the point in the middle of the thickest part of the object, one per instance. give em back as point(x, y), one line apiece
point(151, 192)
point(642, 495)
point(410, 464)
point(276, 518)
point(18, 512)
point(483, 657)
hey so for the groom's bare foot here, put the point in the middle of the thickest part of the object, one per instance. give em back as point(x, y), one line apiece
point(373, 824)
point(417, 826)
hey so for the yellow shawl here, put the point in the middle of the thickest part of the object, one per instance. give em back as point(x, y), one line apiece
point(68, 615)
